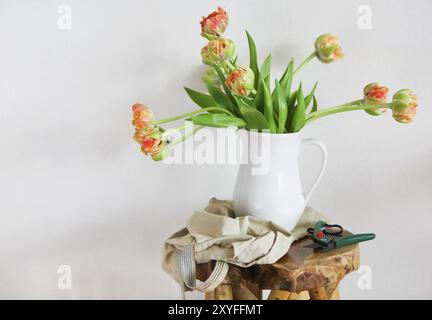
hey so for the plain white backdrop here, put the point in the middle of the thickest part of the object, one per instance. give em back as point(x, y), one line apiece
point(76, 191)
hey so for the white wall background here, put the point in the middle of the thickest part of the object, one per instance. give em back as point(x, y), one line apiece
point(75, 190)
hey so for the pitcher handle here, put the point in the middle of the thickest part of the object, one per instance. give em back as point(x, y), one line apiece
point(321, 146)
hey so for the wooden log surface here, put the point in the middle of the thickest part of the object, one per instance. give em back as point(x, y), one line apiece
point(279, 295)
point(255, 289)
point(286, 295)
point(223, 292)
point(242, 292)
point(304, 295)
point(239, 283)
point(335, 295)
point(301, 269)
point(318, 294)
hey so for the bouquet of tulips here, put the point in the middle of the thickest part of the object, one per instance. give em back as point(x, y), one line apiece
point(243, 96)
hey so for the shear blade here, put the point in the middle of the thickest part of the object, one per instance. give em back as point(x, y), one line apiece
point(316, 246)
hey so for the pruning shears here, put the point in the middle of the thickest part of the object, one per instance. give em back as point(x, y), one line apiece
point(330, 236)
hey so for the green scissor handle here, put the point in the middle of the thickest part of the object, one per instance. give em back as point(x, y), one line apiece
point(346, 241)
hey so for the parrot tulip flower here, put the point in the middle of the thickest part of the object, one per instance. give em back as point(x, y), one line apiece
point(327, 48)
point(241, 81)
point(214, 25)
point(150, 140)
point(404, 105)
point(217, 51)
point(142, 115)
point(374, 93)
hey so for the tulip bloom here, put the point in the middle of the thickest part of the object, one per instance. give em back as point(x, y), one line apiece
point(327, 48)
point(214, 25)
point(142, 115)
point(145, 133)
point(217, 51)
point(150, 140)
point(241, 81)
point(152, 147)
point(374, 93)
point(404, 105)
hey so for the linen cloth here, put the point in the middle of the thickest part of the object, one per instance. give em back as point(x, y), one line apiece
point(216, 234)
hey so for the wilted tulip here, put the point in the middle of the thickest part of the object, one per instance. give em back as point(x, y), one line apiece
point(217, 51)
point(210, 77)
point(373, 94)
point(241, 81)
point(404, 105)
point(214, 25)
point(142, 115)
point(327, 48)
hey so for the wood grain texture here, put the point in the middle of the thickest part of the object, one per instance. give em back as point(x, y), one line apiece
point(304, 295)
point(279, 295)
point(301, 273)
point(242, 292)
point(303, 269)
point(335, 295)
point(318, 294)
point(239, 283)
point(286, 295)
point(223, 292)
point(255, 289)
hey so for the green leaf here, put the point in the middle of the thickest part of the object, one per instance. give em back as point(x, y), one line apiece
point(291, 101)
point(310, 96)
point(281, 107)
point(268, 107)
point(259, 97)
point(234, 62)
point(265, 71)
point(220, 97)
point(314, 105)
point(219, 120)
point(253, 60)
point(201, 99)
point(253, 118)
point(299, 112)
point(286, 80)
point(248, 101)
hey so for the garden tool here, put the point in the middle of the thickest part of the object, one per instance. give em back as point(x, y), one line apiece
point(330, 236)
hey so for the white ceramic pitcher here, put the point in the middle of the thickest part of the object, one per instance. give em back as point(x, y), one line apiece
point(272, 190)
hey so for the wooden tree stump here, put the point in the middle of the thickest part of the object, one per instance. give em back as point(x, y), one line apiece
point(223, 292)
point(279, 295)
point(335, 295)
point(300, 274)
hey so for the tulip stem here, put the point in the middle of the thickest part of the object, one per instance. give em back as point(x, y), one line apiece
point(171, 131)
point(187, 115)
point(342, 108)
point(183, 138)
point(305, 62)
point(330, 109)
point(230, 65)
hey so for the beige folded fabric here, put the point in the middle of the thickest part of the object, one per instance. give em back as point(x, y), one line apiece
point(244, 241)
